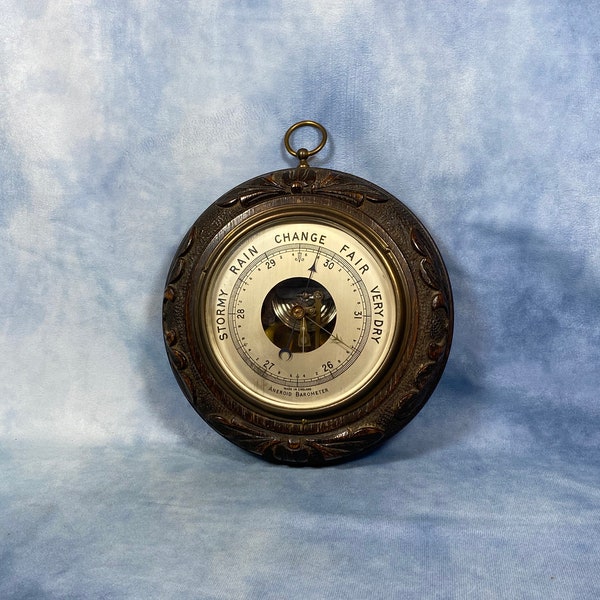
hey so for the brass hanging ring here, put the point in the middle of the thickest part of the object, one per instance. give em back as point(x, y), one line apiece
point(305, 153)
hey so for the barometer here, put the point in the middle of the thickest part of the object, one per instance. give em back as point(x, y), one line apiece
point(307, 313)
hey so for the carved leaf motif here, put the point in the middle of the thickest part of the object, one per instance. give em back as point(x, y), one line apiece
point(404, 404)
point(303, 180)
point(408, 406)
point(177, 270)
point(429, 274)
point(296, 449)
point(424, 374)
point(439, 301)
point(436, 351)
point(171, 337)
point(252, 196)
point(169, 293)
point(348, 442)
point(347, 188)
point(259, 189)
point(246, 437)
point(419, 242)
point(427, 268)
point(189, 242)
point(179, 359)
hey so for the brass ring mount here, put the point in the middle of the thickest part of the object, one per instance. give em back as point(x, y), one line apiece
point(302, 154)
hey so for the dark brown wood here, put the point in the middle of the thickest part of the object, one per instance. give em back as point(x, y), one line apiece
point(410, 377)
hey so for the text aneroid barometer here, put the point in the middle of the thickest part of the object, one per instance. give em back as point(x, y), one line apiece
point(307, 314)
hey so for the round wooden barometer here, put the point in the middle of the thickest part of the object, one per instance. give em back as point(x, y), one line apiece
point(307, 314)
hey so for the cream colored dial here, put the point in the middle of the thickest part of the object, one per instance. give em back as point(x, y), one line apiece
point(301, 314)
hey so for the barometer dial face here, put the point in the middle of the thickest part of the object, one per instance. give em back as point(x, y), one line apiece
point(307, 314)
point(300, 314)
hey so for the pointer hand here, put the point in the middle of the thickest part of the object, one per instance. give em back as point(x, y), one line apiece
point(334, 337)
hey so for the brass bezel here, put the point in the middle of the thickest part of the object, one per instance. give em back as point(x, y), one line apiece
point(311, 210)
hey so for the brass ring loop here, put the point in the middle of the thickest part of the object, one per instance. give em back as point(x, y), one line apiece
point(288, 133)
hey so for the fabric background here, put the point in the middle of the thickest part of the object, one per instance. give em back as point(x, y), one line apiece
point(122, 120)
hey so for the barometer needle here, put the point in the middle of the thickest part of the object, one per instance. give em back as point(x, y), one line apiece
point(335, 338)
point(287, 351)
point(312, 269)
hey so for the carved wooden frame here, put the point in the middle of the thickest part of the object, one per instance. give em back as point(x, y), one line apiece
point(353, 430)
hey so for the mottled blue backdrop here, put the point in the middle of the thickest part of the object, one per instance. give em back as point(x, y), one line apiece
point(121, 120)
